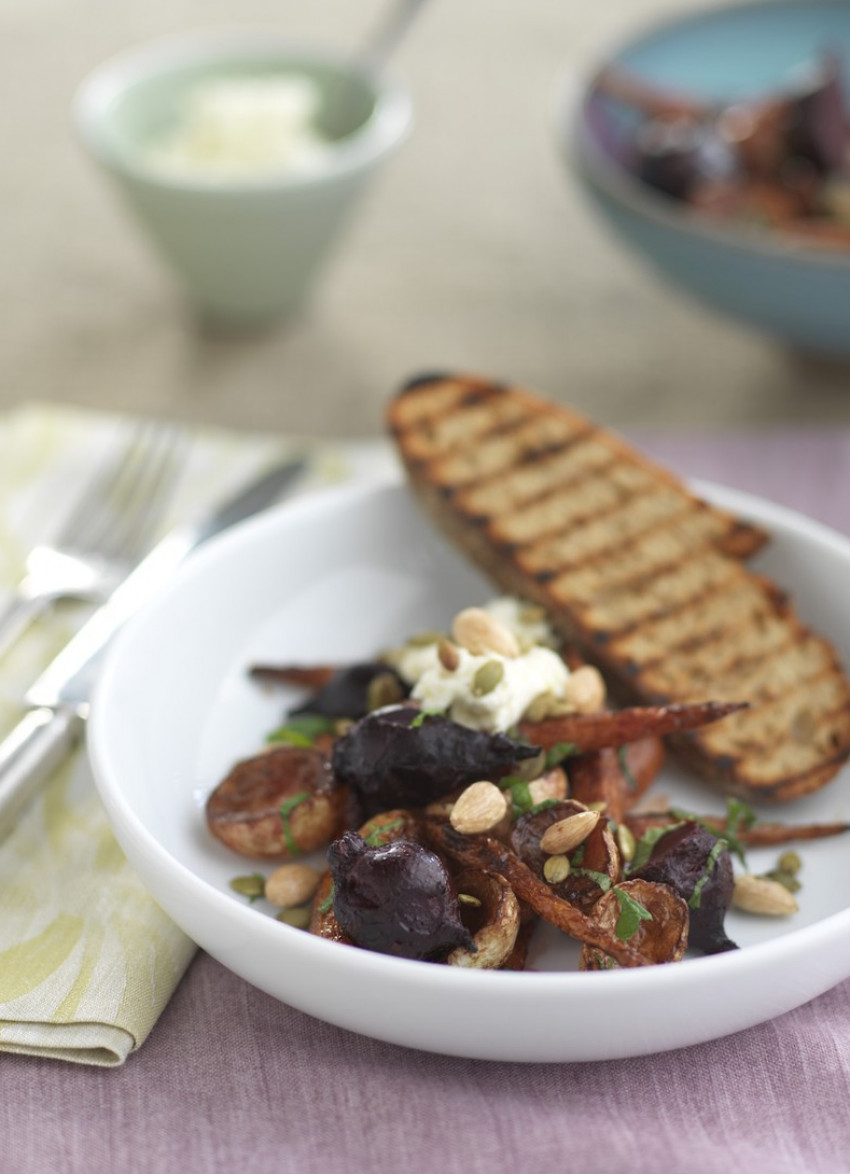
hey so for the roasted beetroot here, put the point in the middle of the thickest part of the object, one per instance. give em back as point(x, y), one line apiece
point(353, 691)
point(696, 865)
point(403, 757)
point(395, 898)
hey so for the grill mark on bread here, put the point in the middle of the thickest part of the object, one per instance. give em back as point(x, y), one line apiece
point(591, 538)
point(800, 758)
point(793, 717)
point(467, 428)
point(700, 667)
point(535, 474)
point(415, 409)
point(655, 550)
point(666, 592)
point(514, 441)
point(761, 677)
point(741, 601)
point(644, 578)
point(600, 493)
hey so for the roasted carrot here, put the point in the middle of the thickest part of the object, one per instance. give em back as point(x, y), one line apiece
point(595, 731)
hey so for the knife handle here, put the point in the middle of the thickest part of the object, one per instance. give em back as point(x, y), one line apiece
point(36, 745)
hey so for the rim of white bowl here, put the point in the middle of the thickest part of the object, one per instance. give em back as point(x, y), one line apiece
point(137, 838)
point(572, 93)
point(386, 127)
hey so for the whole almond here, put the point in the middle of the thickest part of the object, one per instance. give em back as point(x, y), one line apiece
point(478, 809)
point(567, 834)
point(291, 885)
point(551, 785)
point(480, 633)
point(585, 689)
point(759, 894)
point(448, 655)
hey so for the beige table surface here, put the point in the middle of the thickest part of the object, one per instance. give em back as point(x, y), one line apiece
point(474, 251)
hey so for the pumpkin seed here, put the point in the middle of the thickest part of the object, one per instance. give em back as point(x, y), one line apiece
point(487, 677)
point(556, 869)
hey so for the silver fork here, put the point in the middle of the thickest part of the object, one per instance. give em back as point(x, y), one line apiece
point(108, 529)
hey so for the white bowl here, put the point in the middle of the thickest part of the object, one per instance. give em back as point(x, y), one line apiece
point(246, 249)
point(335, 578)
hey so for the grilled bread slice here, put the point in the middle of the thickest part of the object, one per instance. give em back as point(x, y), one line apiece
point(646, 580)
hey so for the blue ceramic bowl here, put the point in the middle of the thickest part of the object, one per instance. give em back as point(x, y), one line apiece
point(797, 292)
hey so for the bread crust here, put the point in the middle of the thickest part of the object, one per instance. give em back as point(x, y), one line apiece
point(645, 579)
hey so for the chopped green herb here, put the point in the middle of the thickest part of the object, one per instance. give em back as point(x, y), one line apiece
point(623, 759)
point(419, 720)
point(739, 818)
point(520, 792)
point(327, 904)
point(712, 858)
point(544, 804)
point(632, 913)
point(253, 887)
point(601, 878)
point(559, 752)
point(285, 811)
point(302, 730)
point(377, 835)
point(644, 846)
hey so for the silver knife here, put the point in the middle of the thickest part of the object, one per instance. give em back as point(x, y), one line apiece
point(58, 702)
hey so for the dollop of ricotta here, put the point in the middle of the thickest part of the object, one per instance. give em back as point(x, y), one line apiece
point(240, 127)
point(538, 670)
point(527, 621)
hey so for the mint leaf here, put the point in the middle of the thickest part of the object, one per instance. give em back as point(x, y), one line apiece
point(601, 878)
point(739, 817)
point(696, 896)
point(381, 835)
point(327, 904)
point(302, 730)
point(419, 720)
point(520, 793)
point(644, 846)
point(632, 913)
point(623, 760)
point(558, 752)
point(286, 810)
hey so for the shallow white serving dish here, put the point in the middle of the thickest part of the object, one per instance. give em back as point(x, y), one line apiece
point(338, 577)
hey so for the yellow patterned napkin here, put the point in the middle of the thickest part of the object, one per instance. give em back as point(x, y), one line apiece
point(88, 961)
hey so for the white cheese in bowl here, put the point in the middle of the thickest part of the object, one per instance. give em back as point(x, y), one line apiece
point(537, 670)
point(241, 127)
point(524, 677)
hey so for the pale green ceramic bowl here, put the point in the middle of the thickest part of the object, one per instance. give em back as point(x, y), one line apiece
point(247, 252)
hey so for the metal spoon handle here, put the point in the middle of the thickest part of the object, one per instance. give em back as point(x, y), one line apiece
point(383, 41)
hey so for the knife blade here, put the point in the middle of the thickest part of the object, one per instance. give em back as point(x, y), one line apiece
point(58, 702)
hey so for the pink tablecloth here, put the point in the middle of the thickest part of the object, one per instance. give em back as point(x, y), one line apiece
point(231, 1080)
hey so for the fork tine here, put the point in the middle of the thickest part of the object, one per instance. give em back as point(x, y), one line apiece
point(110, 527)
point(84, 515)
point(132, 510)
